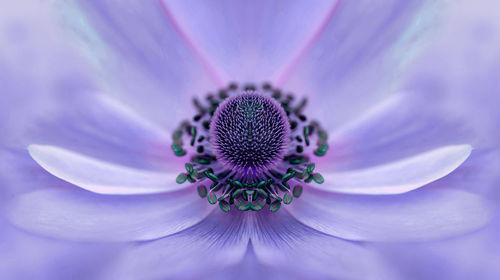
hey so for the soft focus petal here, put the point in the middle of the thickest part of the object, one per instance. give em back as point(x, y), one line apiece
point(81, 215)
point(466, 46)
point(26, 256)
point(474, 255)
point(35, 60)
point(463, 61)
point(400, 176)
point(255, 39)
point(32, 76)
point(142, 54)
point(283, 243)
point(251, 267)
point(401, 126)
point(201, 251)
point(102, 127)
point(357, 58)
point(420, 215)
point(98, 176)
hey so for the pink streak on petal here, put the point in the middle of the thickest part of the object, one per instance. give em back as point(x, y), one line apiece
point(201, 56)
point(285, 73)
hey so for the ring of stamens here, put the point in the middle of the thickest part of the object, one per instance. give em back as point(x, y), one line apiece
point(279, 179)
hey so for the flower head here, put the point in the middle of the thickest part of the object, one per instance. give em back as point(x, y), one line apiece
point(250, 147)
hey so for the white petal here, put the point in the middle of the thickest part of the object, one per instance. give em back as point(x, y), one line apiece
point(400, 176)
point(99, 176)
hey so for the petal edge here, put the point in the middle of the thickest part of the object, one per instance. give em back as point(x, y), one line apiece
point(99, 176)
point(400, 176)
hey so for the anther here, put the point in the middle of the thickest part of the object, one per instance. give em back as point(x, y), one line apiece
point(249, 148)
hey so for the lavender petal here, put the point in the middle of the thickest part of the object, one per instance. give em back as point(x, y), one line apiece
point(399, 176)
point(420, 215)
point(83, 216)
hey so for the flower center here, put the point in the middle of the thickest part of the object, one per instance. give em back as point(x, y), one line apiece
point(249, 148)
point(250, 133)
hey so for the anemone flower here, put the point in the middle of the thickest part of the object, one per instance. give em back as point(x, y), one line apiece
point(306, 149)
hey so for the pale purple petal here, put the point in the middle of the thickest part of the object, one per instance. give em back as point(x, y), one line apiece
point(283, 243)
point(82, 216)
point(466, 44)
point(251, 267)
point(357, 58)
point(199, 252)
point(463, 61)
point(105, 128)
point(400, 176)
point(255, 39)
point(420, 215)
point(141, 54)
point(474, 255)
point(401, 126)
point(26, 256)
point(31, 72)
point(22, 174)
point(100, 176)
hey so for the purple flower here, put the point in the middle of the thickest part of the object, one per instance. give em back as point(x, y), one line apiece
point(384, 178)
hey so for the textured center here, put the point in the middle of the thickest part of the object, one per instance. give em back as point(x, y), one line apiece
point(250, 148)
point(250, 133)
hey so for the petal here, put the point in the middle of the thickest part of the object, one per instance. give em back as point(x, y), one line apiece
point(31, 72)
point(470, 86)
point(83, 216)
point(401, 126)
point(142, 54)
point(251, 40)
point(27, 256)
point(252, 268)
point(474, 255)
point(203, 250)
point(103, 127)
point(358, 55)
point(400, 176)
point(99, 176)
point(282, 242)
point(420, 215)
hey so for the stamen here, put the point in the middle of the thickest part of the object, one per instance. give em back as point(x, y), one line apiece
point(252, 146)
